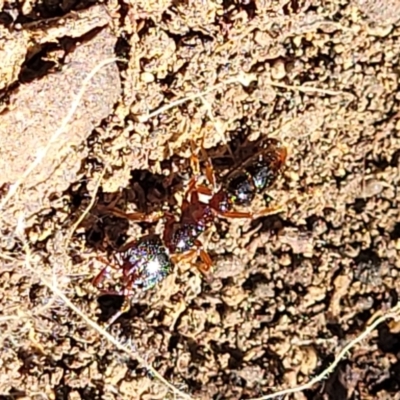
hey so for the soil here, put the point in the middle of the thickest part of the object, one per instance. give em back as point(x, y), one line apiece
point(289, 290)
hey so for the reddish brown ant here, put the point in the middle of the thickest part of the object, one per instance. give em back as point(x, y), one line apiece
point(203, 204)
point(146, 261)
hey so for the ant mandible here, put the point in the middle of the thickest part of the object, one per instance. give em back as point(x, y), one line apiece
point(147, 261)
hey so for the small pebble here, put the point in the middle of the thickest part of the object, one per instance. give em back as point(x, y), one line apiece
point(285, 260)
point(372, 188)
point(278, 71)
point(147, 77)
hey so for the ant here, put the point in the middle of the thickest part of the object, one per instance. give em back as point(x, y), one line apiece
point(148, 260)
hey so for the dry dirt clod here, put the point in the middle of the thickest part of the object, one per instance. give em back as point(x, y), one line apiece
point(16, 44)
point(37, 110)
point(12, 52)
point(380, 12)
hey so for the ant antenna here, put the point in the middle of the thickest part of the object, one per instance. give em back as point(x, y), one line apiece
point(217, 126)
point(209, 168)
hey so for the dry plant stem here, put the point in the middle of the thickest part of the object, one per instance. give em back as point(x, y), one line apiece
point(42, 152)
point(240, 80)
point(305, 89)
point(144, 118)
point(56, 291)
point(392, 313)
point(12, 317)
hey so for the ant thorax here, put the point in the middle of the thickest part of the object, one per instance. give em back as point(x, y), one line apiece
point(205, 198)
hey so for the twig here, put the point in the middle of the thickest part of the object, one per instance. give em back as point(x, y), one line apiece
point(306, 89)
point(392, 313)
point(243, 79)
point(12, 318)
point(144, 118)
point(42, 153)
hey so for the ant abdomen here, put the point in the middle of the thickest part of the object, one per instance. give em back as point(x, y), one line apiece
point(145, 262)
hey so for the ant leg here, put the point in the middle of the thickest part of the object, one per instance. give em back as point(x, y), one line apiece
point(169, 226)
point(136, 216)
point(187, 256)
point(204, 190)
point(252, 215)
point(282, 154)
point(99, 278)
point(268, 211)
point(191, 188)
point(206, 265)
point(236, 214)
point(194, 160)
point(210, 175)
point(191, 256)
point(195, 165)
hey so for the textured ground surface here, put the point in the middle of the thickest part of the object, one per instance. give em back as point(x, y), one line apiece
point(289, 290)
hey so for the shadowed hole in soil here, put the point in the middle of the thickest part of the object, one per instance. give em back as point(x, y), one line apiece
point(334, 388)
point(395, 233)
point(14, 393)
point(236, 356)
point(368, 267)
point(61, 392)
point(234, 7)
point(49, 58)
point(292, 7)
point(359, 205)
point(196, 351)
point(388, 342)
point(91, 393)
point(174, 340)
point(37, 66)
point(109, 305)
point(271, 361)
point(391, 384)
point(149, 192)
point(395, 161)
point(254, 280)
point(37, 294)
point(223, 309)
point(122, 48)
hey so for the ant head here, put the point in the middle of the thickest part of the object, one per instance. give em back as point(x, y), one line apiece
point(241, 189)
